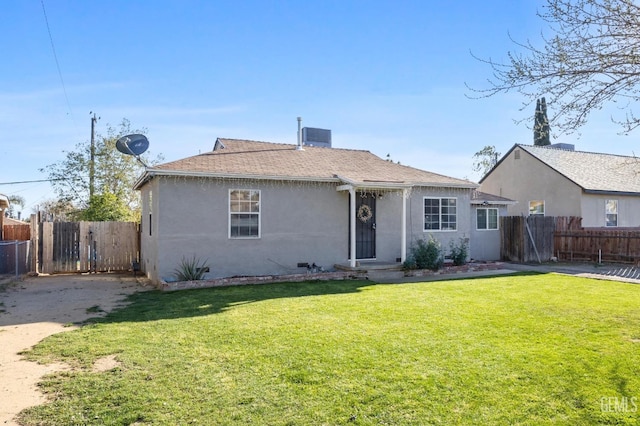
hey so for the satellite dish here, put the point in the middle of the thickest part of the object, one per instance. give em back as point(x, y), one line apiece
point(135, 145)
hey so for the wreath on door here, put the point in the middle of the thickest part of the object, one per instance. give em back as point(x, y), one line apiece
point(365, 213)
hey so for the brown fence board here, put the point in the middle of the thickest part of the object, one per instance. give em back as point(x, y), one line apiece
point(527, 239)
point(17, 232)
point(599, 244)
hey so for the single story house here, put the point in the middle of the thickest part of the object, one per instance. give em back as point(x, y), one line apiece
point(557, 180)
point(260, 208)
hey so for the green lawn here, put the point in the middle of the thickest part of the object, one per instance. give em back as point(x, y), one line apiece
point(525, 349)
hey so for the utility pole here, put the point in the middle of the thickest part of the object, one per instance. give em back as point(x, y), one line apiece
point(92, 158)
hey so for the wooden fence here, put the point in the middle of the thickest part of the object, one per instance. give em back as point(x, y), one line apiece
point(16, 232)
point(540, 238)
point(598, 244)
point(86, 246)
point(527, 239)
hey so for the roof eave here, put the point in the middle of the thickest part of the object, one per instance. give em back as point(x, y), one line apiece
point(151, 173)
point(609, 192)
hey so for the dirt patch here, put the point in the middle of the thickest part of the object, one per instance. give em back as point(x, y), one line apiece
point(105, 363)
point(38, 307)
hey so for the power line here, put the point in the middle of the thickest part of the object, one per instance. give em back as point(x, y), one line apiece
point(31, 181)
point(55, 56)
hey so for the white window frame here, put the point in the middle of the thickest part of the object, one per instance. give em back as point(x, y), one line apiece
point(487, 228)
point(440, 214)
point(257, 213)
point(608, 213)
point(535, 212)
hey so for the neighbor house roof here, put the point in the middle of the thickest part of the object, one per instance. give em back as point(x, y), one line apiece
point(482, 198)
point(593, 172)
point(232, 158)
point(11, 221)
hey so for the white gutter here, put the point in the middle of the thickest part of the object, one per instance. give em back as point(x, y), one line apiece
point(151, 173)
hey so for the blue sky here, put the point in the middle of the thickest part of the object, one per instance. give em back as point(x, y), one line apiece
point(385, 76)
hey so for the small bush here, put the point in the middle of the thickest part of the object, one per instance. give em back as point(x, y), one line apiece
point(425, 255)
point(191, 269)
point(459, 252)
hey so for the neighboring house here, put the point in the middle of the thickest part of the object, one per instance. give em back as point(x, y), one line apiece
point(258, 208)
point(486, 211)
point(13, 222)
point(556, 180)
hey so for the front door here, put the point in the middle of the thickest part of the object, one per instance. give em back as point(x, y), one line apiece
point(365, 226)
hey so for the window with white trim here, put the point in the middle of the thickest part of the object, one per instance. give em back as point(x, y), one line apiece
point(486, 219)
point(536, 207)
point(440, 214)
point(244, 213)
point(611, 213)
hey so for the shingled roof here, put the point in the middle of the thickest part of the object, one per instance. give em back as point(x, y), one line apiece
point(232, 158)
point(593, 172)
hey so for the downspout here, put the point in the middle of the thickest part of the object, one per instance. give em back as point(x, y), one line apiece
point(403, 237)
point(352, 226)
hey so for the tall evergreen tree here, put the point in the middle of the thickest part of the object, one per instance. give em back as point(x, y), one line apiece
point(541, 129)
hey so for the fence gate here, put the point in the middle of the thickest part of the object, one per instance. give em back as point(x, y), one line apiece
point(87, 246)
point(527, 239)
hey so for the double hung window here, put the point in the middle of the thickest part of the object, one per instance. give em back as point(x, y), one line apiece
point(486, 219)
point(244, 213)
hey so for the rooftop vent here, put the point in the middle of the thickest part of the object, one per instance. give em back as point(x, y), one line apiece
point(565, 146)
point(316, 137)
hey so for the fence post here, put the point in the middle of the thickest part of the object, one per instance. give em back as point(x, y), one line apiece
point(16, 258)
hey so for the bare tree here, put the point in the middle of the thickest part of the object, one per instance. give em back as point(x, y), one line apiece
point(591, 58)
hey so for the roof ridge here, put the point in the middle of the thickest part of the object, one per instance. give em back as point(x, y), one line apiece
point(549, 147)
point(293, 145)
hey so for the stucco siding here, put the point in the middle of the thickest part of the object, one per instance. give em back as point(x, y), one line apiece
point(149, 230)
point(415, 219)
point(527, 179)
point(298, 223)
point(485, 243)
point(593, 210)
point(389, 226)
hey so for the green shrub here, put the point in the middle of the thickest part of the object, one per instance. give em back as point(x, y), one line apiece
point(459, 252)
point(191, 269)
point(425, 255)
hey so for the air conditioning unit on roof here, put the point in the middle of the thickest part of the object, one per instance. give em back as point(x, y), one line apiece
point(316, 137)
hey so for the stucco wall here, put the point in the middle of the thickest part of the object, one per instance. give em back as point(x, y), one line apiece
point(526, 179)
point(593, 210)
point(149, 230)
point(485, 243)
point(300, 222)
point(304, 222)
point(415, 219)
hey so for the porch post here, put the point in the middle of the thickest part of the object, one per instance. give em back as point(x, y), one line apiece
point(352, 221)
point(403, 237)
